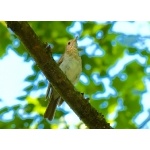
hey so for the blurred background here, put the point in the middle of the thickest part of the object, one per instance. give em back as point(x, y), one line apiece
point(116, 74)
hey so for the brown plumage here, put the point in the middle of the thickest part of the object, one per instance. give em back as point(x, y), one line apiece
point(71, 64)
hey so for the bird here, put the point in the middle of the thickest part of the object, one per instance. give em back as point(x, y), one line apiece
point(71, 64)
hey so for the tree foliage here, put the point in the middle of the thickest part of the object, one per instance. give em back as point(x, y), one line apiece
point(117, 93)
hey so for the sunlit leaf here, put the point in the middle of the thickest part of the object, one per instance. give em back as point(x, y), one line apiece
point(28, 108)
point(5, 38)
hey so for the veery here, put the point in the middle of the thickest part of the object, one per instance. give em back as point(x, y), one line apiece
point(71, 64)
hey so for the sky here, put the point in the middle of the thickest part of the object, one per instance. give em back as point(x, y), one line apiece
point(14, 70)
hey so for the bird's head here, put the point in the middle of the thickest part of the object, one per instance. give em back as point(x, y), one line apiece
point(72, 44)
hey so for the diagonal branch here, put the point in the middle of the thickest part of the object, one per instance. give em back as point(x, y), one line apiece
point(48, 66)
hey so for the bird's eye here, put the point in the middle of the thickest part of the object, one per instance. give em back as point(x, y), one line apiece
point(68, 43)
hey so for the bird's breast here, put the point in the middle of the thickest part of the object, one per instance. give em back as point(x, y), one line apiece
point(72, 67)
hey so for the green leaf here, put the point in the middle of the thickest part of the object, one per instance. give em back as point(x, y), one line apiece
point(31, 78)
point(5, 39)
point(41, 84)
point(22, 97)
point(29, 107)
point(3, 110)
point(35, 68)
point(29, 88)
point(16, 107)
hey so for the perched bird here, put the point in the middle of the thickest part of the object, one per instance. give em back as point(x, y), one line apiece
point(71, 64)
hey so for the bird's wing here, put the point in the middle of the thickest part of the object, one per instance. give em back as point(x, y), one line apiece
point(60, 60)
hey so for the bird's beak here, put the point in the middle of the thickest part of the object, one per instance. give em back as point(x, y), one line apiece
point(75, 41)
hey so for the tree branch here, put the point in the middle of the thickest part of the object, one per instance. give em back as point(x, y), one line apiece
point(46, 63)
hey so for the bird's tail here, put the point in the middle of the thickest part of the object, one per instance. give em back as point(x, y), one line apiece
point(53, 99)
point(50, 110)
